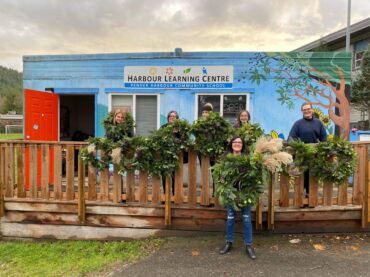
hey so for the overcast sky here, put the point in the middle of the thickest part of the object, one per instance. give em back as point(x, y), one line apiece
point(38, 27)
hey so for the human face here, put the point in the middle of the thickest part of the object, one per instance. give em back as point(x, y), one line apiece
point(244, 117)
point(205, 114)
point(307, 111)
point(172, 117)
point(119, 118)
point(237, 146)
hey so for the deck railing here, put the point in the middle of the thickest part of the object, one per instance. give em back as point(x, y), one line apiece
point(51, 171)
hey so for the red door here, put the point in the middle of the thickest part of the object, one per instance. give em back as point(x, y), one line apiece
point(41, 124)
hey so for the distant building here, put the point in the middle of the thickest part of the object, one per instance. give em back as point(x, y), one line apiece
point(359, 42)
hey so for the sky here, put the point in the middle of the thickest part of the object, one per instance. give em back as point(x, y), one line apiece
point(43, 27)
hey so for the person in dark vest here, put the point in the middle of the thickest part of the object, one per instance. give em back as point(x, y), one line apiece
point(309, 130)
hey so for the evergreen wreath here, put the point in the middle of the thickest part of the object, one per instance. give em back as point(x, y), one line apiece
point(249, 133)
point(303, 155)
point(119, 131)
point(97, 153)
point(211, 135)
point(334, 161)
point(157, 153)
point(240, 180)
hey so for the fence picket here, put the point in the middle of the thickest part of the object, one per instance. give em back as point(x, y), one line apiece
point(70, 173)
point(58, 172)
point(192, 173)
point(179, 194)
point(45, 171)
point(205, 185)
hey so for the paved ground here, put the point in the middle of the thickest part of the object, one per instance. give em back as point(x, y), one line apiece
point(277, 255)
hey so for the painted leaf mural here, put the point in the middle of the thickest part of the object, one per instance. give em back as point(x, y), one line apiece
point(311, 78)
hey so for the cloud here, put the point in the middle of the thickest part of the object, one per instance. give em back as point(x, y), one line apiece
point(63, 27)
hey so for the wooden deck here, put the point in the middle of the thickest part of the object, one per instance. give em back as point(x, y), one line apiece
point(87, 204)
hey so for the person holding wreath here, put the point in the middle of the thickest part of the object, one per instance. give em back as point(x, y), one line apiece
point(118, 124)
point(236, 148)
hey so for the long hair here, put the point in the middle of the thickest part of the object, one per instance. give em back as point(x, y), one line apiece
point(230, 145)
point(117, 111)
point(238, 118)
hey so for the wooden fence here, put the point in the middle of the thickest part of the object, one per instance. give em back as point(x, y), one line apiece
point(51, 171)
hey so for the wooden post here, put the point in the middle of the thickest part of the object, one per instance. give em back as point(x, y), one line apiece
point(328, 194)
point(70, 174)
point(179, 181)
point(298, 191)
point(271, 199)
point(33, 170)
point(143, 186)
point(21, 190)
point(130, 186)
point(9, 170)
point(342, 194)
point(313, 194)
point(58, 172)
point(104, 184)
point(91, 177)
point(167, 207)
point(2, 209)
point(259, 207)
point(192, 172)
point(45, 171)
point(156, 190)
point(205, 175)
point(117, 185)
point(365, 218)
point(359, 176)
point(81, 192)
point(284, 191)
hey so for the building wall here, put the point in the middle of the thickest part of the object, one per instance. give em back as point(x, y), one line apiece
point(104, 73)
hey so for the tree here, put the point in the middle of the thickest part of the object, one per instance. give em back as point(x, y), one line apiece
point(360, 97)
point(314, 77)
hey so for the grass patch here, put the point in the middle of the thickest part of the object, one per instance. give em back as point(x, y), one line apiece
point(11, 136)
point(70, 258)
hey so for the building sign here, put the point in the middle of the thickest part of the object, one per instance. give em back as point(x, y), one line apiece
point(178, 77)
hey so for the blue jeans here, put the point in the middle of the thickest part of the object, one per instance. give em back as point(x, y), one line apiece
point(247, 223)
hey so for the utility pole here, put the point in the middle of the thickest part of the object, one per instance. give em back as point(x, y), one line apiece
point(348, 33)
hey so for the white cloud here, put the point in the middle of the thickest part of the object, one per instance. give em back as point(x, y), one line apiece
point(66, 26)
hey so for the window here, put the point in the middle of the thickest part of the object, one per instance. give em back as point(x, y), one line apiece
point(358, 59)
point(144, 108)
point(227, 104)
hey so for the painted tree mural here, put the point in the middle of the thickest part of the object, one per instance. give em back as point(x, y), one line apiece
point(310, 77)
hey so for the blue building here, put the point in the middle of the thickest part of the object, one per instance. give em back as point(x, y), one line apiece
point(272, 86)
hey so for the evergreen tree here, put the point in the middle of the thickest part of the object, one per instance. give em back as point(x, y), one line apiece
point(10, 90)
point(360, 97)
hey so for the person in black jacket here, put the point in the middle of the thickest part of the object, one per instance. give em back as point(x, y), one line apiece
point(309, 130)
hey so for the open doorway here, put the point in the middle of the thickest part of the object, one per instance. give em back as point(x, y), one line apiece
point(76, 117)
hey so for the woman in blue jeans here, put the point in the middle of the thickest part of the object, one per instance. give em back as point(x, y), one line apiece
point(236, 146)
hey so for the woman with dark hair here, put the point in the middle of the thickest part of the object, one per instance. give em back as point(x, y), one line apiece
point(237, 147)
point(243, 117)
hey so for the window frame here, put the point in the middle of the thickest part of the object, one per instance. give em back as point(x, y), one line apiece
point(358, 60)
point(221, 94)
point(158, 95)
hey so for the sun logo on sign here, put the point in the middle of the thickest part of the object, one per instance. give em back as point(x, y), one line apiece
point(169, 70)
point(152, 71)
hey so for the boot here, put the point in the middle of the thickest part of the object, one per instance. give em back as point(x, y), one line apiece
point(250, 252)
point(226, 248)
